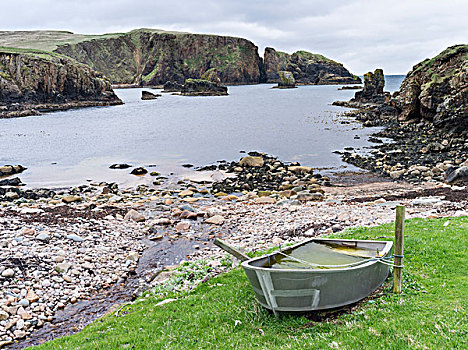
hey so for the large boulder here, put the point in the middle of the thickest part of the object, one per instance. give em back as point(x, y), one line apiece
point(436, 90)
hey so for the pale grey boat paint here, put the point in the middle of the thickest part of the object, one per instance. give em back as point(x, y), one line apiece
point(301, 290)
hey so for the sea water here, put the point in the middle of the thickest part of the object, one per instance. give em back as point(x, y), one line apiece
point(70, 147)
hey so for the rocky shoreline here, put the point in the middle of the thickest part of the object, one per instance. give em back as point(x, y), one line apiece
point(418, 152)
point(427, 119)
point(59, 252)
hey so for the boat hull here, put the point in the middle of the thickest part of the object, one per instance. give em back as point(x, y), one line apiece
point(302, 290)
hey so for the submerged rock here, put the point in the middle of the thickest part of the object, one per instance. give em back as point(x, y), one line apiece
point(139, 171)
point(120, 166)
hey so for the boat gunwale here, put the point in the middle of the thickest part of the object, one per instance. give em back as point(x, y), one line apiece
point(388, 246)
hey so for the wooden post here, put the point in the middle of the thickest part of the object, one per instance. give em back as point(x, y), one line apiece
point(231, 250)
point(398, 248)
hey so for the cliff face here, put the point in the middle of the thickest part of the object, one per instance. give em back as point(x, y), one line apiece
point(437, 90)
point(307, 68)
point(153, 58)
point(33, 78)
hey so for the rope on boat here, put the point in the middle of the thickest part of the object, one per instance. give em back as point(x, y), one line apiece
point(378, 259)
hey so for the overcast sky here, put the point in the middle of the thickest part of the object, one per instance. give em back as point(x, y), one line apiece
point(362, 34)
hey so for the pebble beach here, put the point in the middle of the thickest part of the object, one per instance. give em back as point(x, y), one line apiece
point(59, 252)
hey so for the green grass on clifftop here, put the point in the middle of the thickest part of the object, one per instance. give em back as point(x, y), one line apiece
point(431, 313)
point(32, 52)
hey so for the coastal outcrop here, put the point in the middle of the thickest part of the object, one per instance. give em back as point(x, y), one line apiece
point(373, 91)
point(33, 81)
point(148, 57)
point(427, 120)
point(436, 90)
point(372, 95)
point(306, 67)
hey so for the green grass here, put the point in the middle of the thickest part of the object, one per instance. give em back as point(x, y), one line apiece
point(431, 313)
point(313, 57)
point(452, 50)
point(32, 52)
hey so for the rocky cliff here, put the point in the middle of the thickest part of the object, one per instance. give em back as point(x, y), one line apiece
point(436, 90)
point(32, 80)
point(150, 57)
point(307, 68)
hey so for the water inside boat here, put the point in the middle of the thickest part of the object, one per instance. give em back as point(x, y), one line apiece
point(321, 255)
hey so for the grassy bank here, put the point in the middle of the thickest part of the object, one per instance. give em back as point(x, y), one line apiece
point(431, 313)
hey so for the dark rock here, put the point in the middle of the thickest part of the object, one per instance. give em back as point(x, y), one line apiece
point(199, 87)
point(146, 95)
point(11, 182)
point(353, 87)
point(456, 174)
point(139, 171)
point(171, 86)
point(120, 166)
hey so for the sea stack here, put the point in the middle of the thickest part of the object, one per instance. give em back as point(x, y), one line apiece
point(286, 80)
